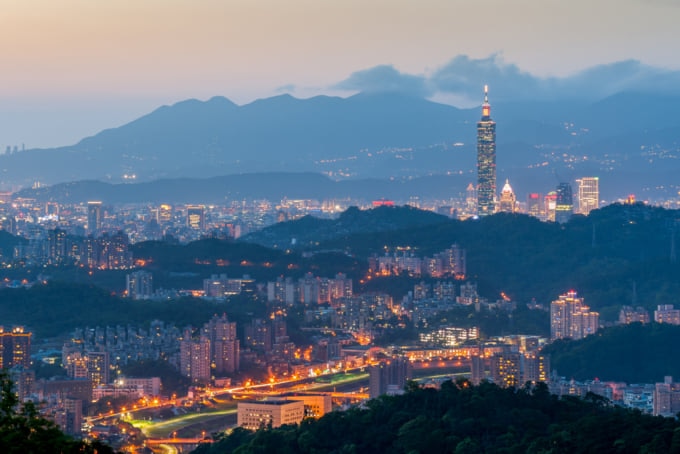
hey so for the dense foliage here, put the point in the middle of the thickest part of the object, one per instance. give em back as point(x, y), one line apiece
point(461, 418)
point(632, 353)
point(57, 308)
point(23, 430)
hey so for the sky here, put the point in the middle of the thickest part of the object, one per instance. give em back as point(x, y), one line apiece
point(71, 68)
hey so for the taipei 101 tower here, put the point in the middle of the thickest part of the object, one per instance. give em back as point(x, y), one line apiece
point(486, 160)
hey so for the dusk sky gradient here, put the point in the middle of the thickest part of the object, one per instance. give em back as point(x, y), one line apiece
point(74, 67)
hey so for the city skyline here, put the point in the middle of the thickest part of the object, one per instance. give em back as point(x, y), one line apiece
point(74, 71)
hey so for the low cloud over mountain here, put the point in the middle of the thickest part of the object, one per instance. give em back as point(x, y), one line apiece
point(463, 75)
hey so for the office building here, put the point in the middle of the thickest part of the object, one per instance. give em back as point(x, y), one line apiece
point(486, 160)
point(196, 217)
point(588, 194)
point(564, 203)
point(316, 405)
point(534, 205)
point(570, 318)
point(550, 206)
point(94, 217)
point(508, 201)
point(271, 412)
point(164, 214)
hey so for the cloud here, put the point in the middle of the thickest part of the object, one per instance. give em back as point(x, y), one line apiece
point(385, 78)
point(289, 88)
point(464, 78)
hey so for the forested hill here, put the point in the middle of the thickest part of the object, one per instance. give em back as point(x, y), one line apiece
point(461, 418)
point(619, 254)
point(632, 353)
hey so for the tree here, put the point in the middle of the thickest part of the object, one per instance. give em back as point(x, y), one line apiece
point(23, 430)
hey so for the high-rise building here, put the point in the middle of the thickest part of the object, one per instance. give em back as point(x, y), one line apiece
point(570, 318)
point(588, 194)
point(564, 203)
point(94, 217)
point(535, 368)
point(139, 285)
point(504, 369)
point(666, 398)
point(550, 205)
point(164, 214)
point(15, 348)
point(486, 160)
point(196, 217)
point(98, 367)
point(195, 358)
point(508, 201)
point(224, 345)
point(471, 199)
point(534, 206)
point(389, 377)
point(57, 244)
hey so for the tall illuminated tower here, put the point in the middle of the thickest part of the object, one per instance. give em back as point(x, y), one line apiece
point(486, 160)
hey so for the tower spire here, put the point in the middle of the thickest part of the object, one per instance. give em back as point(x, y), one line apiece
point(486, 107)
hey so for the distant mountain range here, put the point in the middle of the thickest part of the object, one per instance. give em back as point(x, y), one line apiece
point(630, 140)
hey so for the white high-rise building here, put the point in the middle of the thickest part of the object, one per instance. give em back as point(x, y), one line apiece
point(588, 194)
point(570, 318)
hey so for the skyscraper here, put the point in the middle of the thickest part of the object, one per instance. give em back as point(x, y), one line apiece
point(486, 160)
point(94, 217)
point(588, 194)
point(564, 204)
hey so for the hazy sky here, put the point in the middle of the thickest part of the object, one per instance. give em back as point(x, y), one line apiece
point(73, 67)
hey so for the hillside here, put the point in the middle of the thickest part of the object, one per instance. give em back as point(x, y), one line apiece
point(632, 353)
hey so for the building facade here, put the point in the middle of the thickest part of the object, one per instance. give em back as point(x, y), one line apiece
point(15, 347)
point(508, 201)
point(270, 412)
point(486, 160)
point(588, 194)
point(564, 203)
